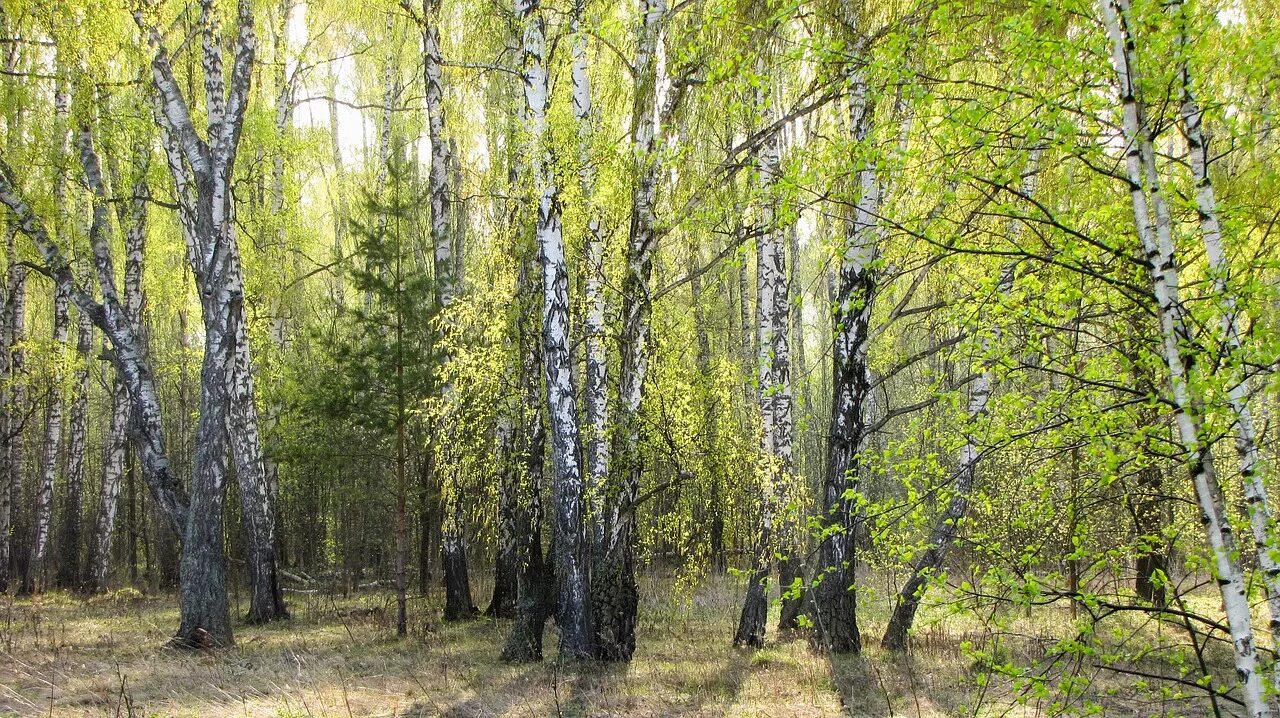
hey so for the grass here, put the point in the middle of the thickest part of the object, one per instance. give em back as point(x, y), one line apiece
point(63, 656)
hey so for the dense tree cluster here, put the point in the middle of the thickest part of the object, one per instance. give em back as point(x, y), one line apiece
point(889, 299)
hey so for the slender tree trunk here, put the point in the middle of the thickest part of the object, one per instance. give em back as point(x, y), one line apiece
point(714, 508)
point(34, 580)
point(10, 397)
point(1261, 520)
point(947, 525)
point(458, 603)
point(836, 599)
point(506, 565)
point(113, 450)
point(595, 402)
point(341, 209)
point(69, 568)
point(775, 534)
point(1157, 246)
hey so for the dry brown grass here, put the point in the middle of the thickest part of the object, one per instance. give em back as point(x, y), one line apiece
point(63, 656)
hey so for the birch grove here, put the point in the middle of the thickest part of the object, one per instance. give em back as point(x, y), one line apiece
point(656, 323)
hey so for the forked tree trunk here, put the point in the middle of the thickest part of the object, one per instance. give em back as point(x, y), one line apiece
point(1157, 246)
point(614, 597)
point(570, 556)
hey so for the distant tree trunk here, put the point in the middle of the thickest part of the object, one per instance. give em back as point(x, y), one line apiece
point(69, 569)
point(836, 596)
point(34, 580)
point(570, 557)
point(428, 518)
point(506, 566)
point(947, 526)
point(714, 509)
point(341, 210)
point(1157, 244)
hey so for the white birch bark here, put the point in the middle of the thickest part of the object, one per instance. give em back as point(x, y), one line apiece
point(614, 598)
point(34, 581)
point(224, 379)
point(773, 385)
point(573, 609)
point(595, 402)
point(135, 223)
point(857, 285)
point(7, 297)
point(947, 525)
point(1257, 506)
point(1157, 244)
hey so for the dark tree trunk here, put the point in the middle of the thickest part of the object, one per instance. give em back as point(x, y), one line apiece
point(1152, 563)
point(428, 518)
point(534, 587)
point(505, 573)
point(202, 585)
point(69, 539)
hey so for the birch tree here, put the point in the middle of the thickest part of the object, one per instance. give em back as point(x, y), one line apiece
point(34, 580)
point(570, 555)
point(1153, 223)
point(835, 595)
point(134, 220)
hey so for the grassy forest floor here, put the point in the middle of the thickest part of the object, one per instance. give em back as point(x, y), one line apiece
point(63, 656)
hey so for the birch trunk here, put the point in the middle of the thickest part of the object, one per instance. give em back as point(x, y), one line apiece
point(13, 286)
point(835, 594)
point(570, 555)
point(595, 401)
point(1257, 506)
point(341, 210)
point(203, 171)
point(458, 602)
point(114, 445)
point(947, 525)
point(1157, 246)
point(34, 580)
point(613, 581)
point(534, 590)
point(774, 393)
point(714, 510)
point(506, 565)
